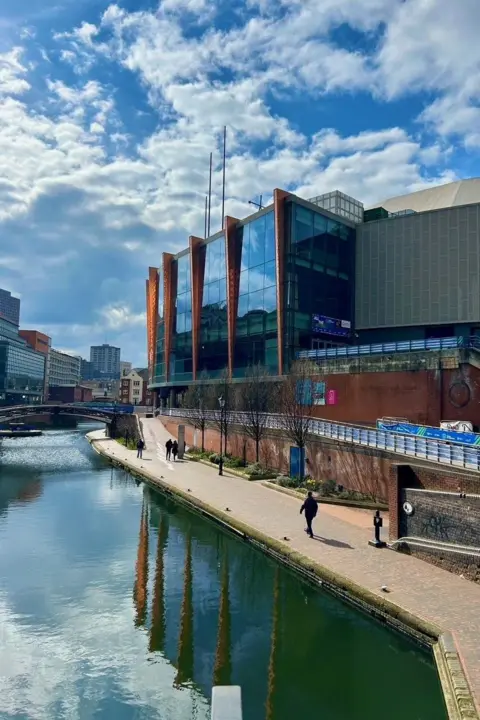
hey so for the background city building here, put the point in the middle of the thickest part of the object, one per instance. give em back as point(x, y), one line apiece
point(125, 367)
point(9, 307)
point(22, 369)
point(105, 362)
point(134, 388)
point(103, 389)
point(70, 394)
point(40, 343)
point(64, 369)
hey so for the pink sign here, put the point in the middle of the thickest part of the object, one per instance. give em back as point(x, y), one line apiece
point(331, 397)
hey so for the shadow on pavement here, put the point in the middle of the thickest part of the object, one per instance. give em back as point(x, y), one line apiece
point(333, 543)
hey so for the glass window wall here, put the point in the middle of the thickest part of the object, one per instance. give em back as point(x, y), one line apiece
point(213, 344)
point(256, 326)
point(181, 363)
point(160, 367)
point(319, 276)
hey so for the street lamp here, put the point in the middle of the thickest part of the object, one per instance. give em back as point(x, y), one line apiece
point(221, 402)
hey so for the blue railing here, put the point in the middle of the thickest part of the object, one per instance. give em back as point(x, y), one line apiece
point(392, 347)
point(410, 446)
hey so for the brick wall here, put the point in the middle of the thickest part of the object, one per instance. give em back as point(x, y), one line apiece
point(362, 469)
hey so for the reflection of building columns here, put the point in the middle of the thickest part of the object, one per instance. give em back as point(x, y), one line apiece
point(185, 643)
point(222, 671)
point(141, 570)
point(273, 647)
point(158, 628)
point(197, 268)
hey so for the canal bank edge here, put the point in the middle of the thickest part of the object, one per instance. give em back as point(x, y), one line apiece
point(457, 694)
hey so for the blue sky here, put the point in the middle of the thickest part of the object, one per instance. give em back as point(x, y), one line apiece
point(108, 113)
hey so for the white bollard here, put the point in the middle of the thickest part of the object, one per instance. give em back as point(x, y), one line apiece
point(226, 702)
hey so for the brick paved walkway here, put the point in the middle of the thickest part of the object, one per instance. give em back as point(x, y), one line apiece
point(422, 589)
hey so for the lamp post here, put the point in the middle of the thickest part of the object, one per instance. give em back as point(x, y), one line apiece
point(221, 402)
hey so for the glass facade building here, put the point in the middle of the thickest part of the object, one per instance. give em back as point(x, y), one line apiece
point(278, 282)
point(22, 370)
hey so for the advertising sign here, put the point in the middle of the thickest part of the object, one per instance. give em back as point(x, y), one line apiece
point(321, 324)
point(332, 397)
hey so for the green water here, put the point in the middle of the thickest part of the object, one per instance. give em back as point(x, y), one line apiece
point(115, 603)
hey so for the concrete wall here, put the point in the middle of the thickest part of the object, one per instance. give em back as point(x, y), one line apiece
point(419, 269)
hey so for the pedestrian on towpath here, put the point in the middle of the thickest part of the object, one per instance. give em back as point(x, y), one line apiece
point(140, 446)
point(168, 448)
point(175, 450)
point(310, 506)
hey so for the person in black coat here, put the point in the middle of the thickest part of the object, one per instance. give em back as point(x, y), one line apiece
point(310, 507)
point(175, 450)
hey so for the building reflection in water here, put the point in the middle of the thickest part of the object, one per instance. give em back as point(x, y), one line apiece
point(222, 671)
point(141, 570)
point(158, 626)
point(273, 647)
point(185, 657)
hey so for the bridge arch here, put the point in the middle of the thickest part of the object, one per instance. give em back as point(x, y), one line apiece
point(21, 412)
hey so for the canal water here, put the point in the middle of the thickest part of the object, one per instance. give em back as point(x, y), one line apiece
point(116, 603)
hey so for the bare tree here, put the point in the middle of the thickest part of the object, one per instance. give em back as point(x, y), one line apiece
point(223, 405)
point(298, 397)
point(197, 399)
point(256, 400)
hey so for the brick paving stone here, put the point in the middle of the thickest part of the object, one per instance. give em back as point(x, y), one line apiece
point(424, 590)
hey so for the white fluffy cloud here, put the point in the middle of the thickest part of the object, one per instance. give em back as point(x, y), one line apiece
point(95, 183)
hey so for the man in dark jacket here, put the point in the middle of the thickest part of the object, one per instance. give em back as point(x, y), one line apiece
point(310, 506)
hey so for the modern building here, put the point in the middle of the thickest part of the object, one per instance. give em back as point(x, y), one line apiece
point(9, 307)
point(105, 360)
point(22, 369)
point(64, 369)
point(321, 274)
point(125, 367)
point(40, 343)
point(277, 282)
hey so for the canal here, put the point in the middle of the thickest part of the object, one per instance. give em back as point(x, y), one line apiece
point(116, 603)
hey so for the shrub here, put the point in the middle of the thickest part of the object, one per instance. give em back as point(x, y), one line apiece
point(327, 487)
point(288, 482)
point(214, 458)
point(234, 462)
point(255, 470)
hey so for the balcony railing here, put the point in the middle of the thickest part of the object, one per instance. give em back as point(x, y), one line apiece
point(433, 450)
point(393, 347)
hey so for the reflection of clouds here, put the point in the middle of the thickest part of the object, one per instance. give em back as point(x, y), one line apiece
point(92, 654)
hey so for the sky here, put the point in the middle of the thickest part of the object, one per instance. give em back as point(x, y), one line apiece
point(108, 114)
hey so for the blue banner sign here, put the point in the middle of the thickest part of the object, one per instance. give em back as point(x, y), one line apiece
point(297, 462)
point(432, 433)
point(331, 326)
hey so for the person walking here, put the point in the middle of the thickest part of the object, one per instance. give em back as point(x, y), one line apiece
point(310, 507)
point(140, 446)
point(168, 448)
point(174, 450)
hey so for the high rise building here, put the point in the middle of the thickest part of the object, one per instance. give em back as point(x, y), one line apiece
point(105, 361)
point(9, 307)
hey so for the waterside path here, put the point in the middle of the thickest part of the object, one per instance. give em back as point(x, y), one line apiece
point(423, 596)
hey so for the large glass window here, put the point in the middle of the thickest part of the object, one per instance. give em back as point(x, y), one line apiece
point(256, 327)
point(320, 255)
point(213, 346)
point(181, 362)
point(21, 369)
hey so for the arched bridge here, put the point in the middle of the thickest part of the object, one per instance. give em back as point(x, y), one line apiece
point(21, 412)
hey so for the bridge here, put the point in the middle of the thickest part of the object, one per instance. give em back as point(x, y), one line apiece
point(21, 412)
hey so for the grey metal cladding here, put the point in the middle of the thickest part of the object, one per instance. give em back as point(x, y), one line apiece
point(421, 269)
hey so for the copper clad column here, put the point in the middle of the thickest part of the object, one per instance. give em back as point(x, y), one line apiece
point(152, 317)
point(279, 213)
point(233, 254)
point(169, 290)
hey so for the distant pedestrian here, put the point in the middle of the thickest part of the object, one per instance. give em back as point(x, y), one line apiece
point(168, 448)
point(140, 446)
point(174, 450)
point(310, 506)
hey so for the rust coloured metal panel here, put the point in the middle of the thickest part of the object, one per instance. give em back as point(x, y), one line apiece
point(197, 268)
point(279, 197)
point(233, 257)
point(169, 293)
point(152, 314)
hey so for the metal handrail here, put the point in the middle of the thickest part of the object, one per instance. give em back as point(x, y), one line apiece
point(392, 347)
point(410, 446)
